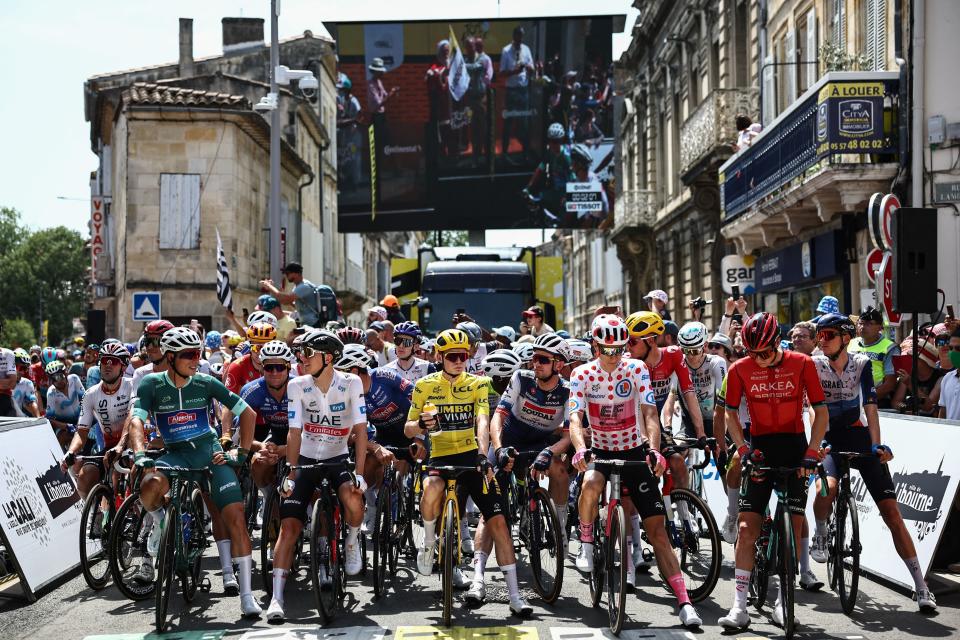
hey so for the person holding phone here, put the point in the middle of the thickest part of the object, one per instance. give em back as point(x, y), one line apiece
point(880, 349)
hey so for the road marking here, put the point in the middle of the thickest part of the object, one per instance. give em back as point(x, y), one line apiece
point(466, 633)
point(170, 635)
point(317, 633)
point(582, 633)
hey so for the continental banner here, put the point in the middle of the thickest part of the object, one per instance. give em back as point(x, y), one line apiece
point(850, 119)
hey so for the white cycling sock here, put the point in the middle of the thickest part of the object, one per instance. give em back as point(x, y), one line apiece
point(245, 563)
point(733, 498)
point(429, 533)
point(561, 508)
point(226, 560)
point(635, 529)
point(684, 510)
point(821, 527)
point(510, 577)
point(916, 571)
point(352, 533)
point(741, 589)
point(479, 566)
point(804, 555)
point(279, 583)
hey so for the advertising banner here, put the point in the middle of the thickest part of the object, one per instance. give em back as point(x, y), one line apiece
point(850, 119)
point(40, 508)
point(925, 483)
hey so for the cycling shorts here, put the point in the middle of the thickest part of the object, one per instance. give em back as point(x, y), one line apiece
point(223, 483)
point(875, 474)
point(471, 483)
point(392, 436)
point(641, 485)
point(779, 450)
point(306, 481)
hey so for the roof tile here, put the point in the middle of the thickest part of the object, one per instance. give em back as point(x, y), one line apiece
point(145, 93)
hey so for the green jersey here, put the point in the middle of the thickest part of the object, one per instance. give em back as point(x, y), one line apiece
point(182, 414)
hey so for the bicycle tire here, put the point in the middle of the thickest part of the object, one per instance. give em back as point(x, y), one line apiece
point(190, 579)
point(700, 584)
point(93, 551)
point(416, 519)
point(269, 533)
point(449, 549)
point(125, 539)
point(787, 571)
point(617, 556)
point(382, 539)
point(165, 569)
point(322, 558)
point(399, 523)
point(598, 575)
point(760, 575)
point(251, 499)
point(545, 537)
point(848, 558)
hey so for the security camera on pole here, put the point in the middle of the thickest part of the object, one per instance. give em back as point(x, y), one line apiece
point(279, 75)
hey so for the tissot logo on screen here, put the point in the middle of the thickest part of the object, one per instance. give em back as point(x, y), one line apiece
point(448, 119)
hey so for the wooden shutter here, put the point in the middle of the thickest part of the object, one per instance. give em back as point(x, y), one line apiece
point(879, 51)
point(769, 107)
point(790, 53)
point(811, 51)
point(179, 211)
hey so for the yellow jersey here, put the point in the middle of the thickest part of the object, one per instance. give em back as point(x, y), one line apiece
point(458, 405)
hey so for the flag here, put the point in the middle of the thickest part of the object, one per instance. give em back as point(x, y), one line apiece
point(224, 294)
point(458, 79)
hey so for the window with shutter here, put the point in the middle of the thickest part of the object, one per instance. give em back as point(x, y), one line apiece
point(811, 51)
point(769, 92)
point(879, 50)
point(790, 70)
point(179, 211)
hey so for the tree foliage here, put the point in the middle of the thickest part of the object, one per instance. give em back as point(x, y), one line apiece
point(18, 333)
point(42, 275)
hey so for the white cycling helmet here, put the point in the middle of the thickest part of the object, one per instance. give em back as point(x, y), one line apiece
point(262, 316)
point(693, 335)
point(276, 350)
point(524, 350)
point(501, 363)
point(179, 339)
point(556, 131)
point(552, 344)
point(580, 351)
point(609, 330)
point(355, 356)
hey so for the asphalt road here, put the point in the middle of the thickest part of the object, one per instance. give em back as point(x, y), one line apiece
point(412, 610)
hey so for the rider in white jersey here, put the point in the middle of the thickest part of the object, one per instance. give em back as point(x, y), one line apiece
point(410, 368)
point(63, 400)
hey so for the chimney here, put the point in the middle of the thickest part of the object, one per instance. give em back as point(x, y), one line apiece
point(186, 48)
point(242, 33)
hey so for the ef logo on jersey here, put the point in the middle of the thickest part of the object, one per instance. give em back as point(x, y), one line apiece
point(622, 389)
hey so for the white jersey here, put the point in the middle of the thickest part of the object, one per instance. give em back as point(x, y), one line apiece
point(23, 394)
point(8, 367)
point(707, 381)
point(139, 374)
point(65, 407)
point(109, 410)
point(417, 370)
point(325, 419)
point(475, 364)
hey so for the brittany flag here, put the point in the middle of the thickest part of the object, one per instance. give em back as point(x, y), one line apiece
point(458, 79)
point(224, 294)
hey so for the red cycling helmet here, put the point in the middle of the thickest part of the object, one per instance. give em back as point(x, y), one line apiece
point(352, 335)
point(158, 327)
point(760, 332)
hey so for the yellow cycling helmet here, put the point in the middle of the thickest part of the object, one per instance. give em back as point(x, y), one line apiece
point(261, 333)
point(231, 338)
point(645, 324)
point(452, 339)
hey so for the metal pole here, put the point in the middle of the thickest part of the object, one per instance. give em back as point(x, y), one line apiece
point(274, 214)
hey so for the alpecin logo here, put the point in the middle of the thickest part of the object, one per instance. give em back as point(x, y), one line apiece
point(920, 497)
point(181, 417)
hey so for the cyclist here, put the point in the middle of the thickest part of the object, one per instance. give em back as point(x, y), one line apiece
point(105, 407)
point(849, 386)
point(177, 400)
point(459, 432)
point(63, 401)
point(525, 351)
point(8, 381)
point(609, 391)
point(582, 161)
point(774, 383)
point(151, 346)
point(25, 393)
point(500, 366)
point(387, 399)
point(531, 414)
point(352, 335)
point(325, 407)
point(664, 364)
point(552, 175)
point(706, 373)
point(248, 368)
point(478, 348)
point(410, 368)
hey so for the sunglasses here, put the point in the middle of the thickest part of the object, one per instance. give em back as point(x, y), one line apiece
point(714, 345)
point(942, 342)
point(189, 354)
point(111, 362)
point(610, 351)
point(405, 342)
point(692, 352)
point(57, 376)
point(634, 341)
point(827, 335)
point(761, 355)
point(538, 359)
point(455, 357)
point(275, 368)
point(307, 352)
point(151, 342)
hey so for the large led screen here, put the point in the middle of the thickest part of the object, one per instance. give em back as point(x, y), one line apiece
point(483, 124)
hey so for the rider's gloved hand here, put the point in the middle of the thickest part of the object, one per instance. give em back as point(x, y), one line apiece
point(70, 458)
point(702, 443)
point(810, 459)
point(483, 465)
point(880, 449)
point(748, 455)
point(579, 456)
point(543, 460)
point(505, 456)
point(141, 460)
point(361, 484)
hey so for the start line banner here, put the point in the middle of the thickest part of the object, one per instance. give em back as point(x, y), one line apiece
point(925, 471)
point(40, 508)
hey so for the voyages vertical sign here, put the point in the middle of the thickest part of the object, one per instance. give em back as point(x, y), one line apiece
point(98, 217)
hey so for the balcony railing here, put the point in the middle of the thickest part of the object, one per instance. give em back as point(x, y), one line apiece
point(634, 208)
point(712, 126)
point(845, 118)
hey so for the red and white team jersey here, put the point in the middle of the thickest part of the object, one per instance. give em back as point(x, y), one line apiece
point(325, 419)
point(662, 375)
point(612, 403)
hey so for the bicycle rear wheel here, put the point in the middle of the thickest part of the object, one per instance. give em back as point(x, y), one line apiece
point(382, 539)
point(598, 575)
point(322, 563)
point(700, 554)
point(787, 571)
point(128, 549)
point(546, 546)
point(399, 523)
point(449, 551)
point(762, 561)
point(94, 535)
point(251, 499)
point(194, 546)
point(269, 533)
point(618, 555)
point(846, 554)
point(416, 533)
point(165, 568)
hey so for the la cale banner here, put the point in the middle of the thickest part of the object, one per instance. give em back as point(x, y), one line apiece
point(850, 119)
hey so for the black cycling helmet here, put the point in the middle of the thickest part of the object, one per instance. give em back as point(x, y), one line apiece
point(836, 321)
point(323, 340)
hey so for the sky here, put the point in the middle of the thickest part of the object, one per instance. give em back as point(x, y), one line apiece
point(50, 48)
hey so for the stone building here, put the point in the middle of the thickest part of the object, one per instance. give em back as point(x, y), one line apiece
point(182, 155)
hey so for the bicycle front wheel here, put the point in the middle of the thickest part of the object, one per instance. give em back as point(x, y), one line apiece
point(269, 533)
point(449, 551)
point(322, 561)
point(759, 577)
point(382, 542)
point(846, 554)
point(194, 545)
point(128, 549)
point(94, 532)
point(165, 567)
point(598, 575)
point(699, 552)
point(787, 571)
point(618, 555)
point(546, 546)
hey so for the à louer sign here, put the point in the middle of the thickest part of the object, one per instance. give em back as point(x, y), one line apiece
point(850, 119)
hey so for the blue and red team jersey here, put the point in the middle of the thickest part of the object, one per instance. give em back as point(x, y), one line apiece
point(388, 399)
point(846, 393)
point(271, 413)
point(531, 414)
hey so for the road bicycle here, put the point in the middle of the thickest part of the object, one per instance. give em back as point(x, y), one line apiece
point(270, 531)
point(99, 511)
point(392, 521)
point(843, 535)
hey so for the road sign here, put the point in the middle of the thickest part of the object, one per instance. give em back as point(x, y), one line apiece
point(884, 274)
point(879, 212)
point(146, 306)
point(873, 263)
